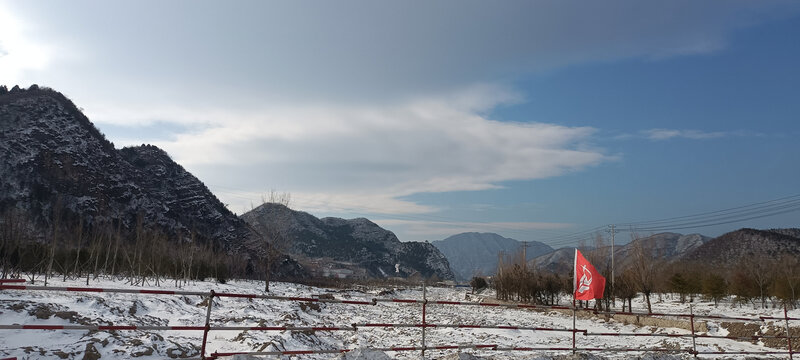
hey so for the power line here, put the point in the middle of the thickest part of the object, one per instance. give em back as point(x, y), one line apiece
point(752, 211)
point(722, 222)
point(795, 199)
point(720, 217)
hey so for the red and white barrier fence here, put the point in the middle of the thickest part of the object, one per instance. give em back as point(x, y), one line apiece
point(167, 328)
point(3, 281)
point(217, 355)
point(103, 290)
point(423, 326)
point(494, 347)
point(467, 326)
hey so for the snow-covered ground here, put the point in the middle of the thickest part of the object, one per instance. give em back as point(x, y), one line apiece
point(74, 308)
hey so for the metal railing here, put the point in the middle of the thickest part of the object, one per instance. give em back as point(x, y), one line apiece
point(424, 325)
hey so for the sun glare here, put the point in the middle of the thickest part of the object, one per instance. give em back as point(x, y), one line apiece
point(19, 53)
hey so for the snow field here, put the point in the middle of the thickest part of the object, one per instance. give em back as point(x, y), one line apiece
point(75, 308)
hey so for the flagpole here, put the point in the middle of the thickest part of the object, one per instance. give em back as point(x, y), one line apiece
point(574, 288)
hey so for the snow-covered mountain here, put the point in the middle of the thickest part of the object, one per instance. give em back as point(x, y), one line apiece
point(473, 253)
point(54, 162)
point(355, 242)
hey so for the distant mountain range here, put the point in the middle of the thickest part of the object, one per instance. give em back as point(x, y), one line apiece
point(726, 250)
point(475, 253)
point(358, 243)
point(665, 246)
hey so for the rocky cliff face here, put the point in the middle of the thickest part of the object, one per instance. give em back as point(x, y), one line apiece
point(356, 241)
point(56, 163)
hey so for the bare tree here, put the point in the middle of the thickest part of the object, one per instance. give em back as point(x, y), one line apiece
point(274, 242)
point(12, 238)
point(55, 232)
point(78, 232)
point(759, 269)
point(626, 287)
point(600, 257)
point(644, 266)
point(788, 279)
point(99, 235)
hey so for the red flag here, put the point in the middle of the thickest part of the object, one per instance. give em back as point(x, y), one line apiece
point(589, 284)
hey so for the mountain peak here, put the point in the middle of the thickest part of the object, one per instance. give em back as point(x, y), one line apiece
point(53, 154)
point(473, 253)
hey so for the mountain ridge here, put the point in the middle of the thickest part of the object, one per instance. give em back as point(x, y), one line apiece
point(357, 243)
point(474, 253)
point(747, 243)
point(56, 162)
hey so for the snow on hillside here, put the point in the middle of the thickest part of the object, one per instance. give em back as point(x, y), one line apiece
point(73, 308)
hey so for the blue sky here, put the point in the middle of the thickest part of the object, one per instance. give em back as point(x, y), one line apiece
point(530, 119)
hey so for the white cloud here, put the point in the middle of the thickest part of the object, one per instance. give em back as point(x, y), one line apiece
point(369, 158)
point(20, 53)
point(665, 134)
point(296, 51)
point(436, 230)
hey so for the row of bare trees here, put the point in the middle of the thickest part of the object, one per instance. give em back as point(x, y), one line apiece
point(73, 250)
point(757, 280)
point(517, 282)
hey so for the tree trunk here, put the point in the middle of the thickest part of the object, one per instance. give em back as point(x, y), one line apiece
point(266, 273)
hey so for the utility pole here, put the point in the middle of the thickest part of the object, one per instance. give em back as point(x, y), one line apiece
point(500, 263)
point(524, 256)
point(613, 231)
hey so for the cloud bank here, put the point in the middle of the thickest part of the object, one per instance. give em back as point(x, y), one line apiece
point(368, 158)
point(193, 52)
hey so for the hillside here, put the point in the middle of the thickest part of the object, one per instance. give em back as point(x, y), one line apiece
point(353, 245)
point(475, 253)
point(664, 246)
point(57, 168)
point(731, 248)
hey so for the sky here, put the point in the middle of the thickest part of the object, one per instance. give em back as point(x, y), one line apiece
point(536, 120)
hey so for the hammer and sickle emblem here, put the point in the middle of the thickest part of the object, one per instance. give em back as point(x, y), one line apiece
point(586, 280)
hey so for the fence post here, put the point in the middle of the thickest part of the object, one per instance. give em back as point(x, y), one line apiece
point(208, 324)
point(788, 330)
point(574, 326)
point(424, 306)
point(691, 321)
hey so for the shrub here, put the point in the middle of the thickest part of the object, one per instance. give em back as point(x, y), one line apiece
point(478, 283)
